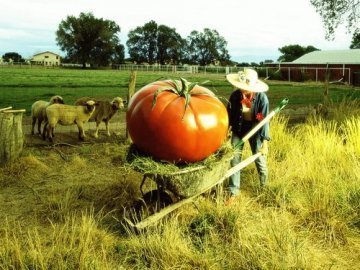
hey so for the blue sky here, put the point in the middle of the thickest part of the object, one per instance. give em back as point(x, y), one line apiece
point(254, 29)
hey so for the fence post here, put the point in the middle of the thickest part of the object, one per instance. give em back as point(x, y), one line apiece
point(227, 70)
point(11, 135)
point(131, 92)
point(289, 76)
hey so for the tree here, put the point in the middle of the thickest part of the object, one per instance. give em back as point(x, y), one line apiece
point(243, 64)
point(155, 43)
point(12, 57)
point(142, 43)
point(355, 43)
point(119, 56)
point(268, 61)
point(170, 45)
point(87, 39)
point(334, 12)
point(206, 47)
point(292, 52)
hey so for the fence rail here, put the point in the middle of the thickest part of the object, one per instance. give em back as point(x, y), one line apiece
point(291, 74)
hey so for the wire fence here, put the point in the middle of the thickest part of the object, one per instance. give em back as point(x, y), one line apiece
point(291, 74)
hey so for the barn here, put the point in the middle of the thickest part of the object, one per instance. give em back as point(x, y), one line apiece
point(334, 65)
point(46, 59)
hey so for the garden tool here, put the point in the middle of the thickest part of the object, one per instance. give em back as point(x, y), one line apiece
point(281, 105)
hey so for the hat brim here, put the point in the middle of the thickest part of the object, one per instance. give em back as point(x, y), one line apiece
point(257, 87)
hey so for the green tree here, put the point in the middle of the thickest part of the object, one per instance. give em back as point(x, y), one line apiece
point(155, 43)
point(334, 12)
point(119, 55)
point(291, 52)
point(142, 43)
point(207, 47)
point(266, 61)
point(12, 57)
point(87, 39)
point(243, 64)
point(355, 43)
point(170, 45)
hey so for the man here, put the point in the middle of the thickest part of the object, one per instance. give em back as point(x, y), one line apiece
point(248, 105)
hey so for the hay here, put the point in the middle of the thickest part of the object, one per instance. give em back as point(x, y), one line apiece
point(149, 165)
point(183, 179)
point(33, 163)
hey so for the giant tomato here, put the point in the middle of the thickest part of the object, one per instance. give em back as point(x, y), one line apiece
point(177, 121)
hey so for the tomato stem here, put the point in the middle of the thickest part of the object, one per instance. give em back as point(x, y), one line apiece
point(182, 88)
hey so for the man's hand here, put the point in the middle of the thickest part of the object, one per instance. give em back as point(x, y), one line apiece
point(264, 148)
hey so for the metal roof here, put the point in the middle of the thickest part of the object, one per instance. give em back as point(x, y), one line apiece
point(330, 57)
point(45, 53)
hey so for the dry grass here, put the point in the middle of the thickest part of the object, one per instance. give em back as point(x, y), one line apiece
point(62, 208)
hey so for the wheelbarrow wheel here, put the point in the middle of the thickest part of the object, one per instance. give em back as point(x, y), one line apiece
point(151, 203)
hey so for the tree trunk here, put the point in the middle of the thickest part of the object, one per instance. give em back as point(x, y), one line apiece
point(11, 136)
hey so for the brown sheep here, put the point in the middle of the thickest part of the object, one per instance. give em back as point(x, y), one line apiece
point(104, 111)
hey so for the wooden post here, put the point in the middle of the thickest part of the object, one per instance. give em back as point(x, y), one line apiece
point(326, 85)
point(11, 135)
point(131, 92)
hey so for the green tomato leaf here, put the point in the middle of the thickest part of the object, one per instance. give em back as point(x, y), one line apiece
point(187, 101)
point(162, 89)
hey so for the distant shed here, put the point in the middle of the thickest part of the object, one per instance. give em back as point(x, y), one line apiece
point(338, 65)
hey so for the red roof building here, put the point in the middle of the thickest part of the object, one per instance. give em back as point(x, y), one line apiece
point(336, 65)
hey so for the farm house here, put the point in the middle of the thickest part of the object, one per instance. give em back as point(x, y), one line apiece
point(336, 65)
point(46, 59)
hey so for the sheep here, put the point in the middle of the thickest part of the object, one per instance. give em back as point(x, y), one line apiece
point(38, 111)
point(68, 115)
point(104, 112)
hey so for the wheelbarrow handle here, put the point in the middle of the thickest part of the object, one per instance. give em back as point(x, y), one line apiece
point(281, 105)
point(168, 209)
point(241, 165)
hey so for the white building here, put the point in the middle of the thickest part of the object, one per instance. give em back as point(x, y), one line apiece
point(46, 59)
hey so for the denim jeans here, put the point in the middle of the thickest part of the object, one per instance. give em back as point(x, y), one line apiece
point(260, 163)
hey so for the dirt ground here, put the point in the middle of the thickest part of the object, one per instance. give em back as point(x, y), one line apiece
point(50, 181)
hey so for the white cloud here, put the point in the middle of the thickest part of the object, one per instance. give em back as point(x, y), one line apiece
point(11, 34)
point(254, 28)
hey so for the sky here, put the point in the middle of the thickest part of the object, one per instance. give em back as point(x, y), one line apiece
point(254, 29)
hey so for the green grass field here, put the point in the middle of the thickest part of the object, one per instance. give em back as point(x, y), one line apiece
point(63, 206)
point(20, 87)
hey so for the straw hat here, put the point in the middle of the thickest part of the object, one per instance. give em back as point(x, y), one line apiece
point(247, 80)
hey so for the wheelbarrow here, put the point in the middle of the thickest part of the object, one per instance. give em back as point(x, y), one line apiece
point(179, 188)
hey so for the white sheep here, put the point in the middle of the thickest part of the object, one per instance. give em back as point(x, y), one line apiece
point(38, 111)
point(104, 111)
point(68, 115)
